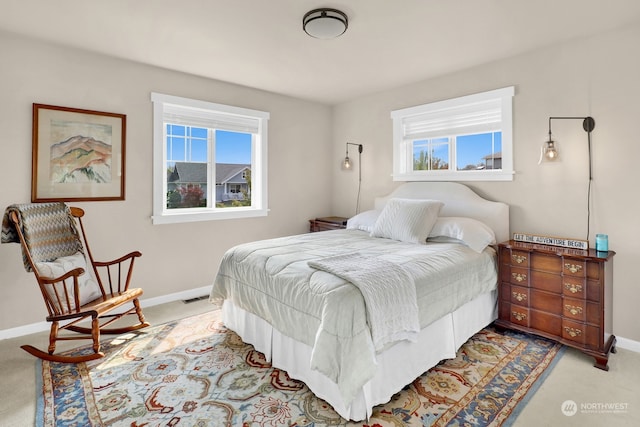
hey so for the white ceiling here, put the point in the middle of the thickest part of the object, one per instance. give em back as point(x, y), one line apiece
point(260, 43)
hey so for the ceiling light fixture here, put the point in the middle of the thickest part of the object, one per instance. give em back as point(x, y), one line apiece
point(325, 23)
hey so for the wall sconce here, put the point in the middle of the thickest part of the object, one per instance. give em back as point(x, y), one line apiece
point(549, 152)
point(347, 165)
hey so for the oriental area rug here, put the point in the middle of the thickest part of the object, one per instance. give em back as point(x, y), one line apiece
point(195, 372)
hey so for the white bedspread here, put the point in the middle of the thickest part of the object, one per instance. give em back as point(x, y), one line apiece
point(389, 294)
point(273, 280)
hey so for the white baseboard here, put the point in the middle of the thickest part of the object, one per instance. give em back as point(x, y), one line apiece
point(177, 296)
point(628, 344)
point(149, 302)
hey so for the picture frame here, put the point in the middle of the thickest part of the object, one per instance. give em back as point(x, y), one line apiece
point(77, 155)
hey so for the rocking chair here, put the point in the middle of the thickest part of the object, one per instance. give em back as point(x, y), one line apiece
point(53, 251)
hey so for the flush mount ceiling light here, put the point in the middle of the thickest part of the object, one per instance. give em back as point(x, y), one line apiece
point(325, 23)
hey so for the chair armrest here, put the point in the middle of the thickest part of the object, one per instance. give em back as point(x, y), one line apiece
point(61, 296)
point(115, 275)
point(134, 254)
point(50, 280)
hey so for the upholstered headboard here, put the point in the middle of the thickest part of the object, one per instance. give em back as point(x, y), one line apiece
point(459, 200)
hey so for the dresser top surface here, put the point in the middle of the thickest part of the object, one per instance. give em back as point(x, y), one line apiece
point(591, 253)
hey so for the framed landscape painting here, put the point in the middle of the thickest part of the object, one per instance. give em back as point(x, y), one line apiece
point(78, 155)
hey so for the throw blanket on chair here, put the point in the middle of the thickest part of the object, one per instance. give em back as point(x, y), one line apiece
point(49, 229)
point(389, 295)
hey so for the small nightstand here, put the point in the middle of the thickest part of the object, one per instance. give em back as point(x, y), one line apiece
point(327, 223)
point(559, 293)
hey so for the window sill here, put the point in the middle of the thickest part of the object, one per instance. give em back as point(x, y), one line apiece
point(483, 175)
point(206, 215)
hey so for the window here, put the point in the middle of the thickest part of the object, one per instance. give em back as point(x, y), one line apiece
point(462, 139)
point(210, 160)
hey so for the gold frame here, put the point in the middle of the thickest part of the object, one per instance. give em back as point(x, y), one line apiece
point(77, 155)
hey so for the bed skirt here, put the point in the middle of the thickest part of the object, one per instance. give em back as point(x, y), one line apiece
point(397, 366)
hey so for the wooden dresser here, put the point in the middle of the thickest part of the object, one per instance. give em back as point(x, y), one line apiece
point(327, 223)
point(558, 293)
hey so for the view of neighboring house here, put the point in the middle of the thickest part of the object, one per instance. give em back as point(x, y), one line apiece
point(493, 161)
point(231, 179)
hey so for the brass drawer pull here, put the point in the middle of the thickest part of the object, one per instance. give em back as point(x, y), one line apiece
point(572, 332)
point(519, 316)
point(519, 296)
point(573, 288)
point(519, 277)
point(519, 259)
point(574, 268)
point(573, 309)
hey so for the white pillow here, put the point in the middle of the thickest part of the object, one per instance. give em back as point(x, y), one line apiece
point(363, 221)
point(407, 220)
point(473, 233)
point(88, 287)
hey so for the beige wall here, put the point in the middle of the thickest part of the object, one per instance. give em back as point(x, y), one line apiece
point(177, 257)
point(599, 76)
point(596, 76)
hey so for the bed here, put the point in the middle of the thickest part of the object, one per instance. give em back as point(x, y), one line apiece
point(357, 314)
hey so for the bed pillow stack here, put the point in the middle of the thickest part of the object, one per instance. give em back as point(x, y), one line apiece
point(469, 231)
point(407, 220)
point(446, 229)
point(364, 220)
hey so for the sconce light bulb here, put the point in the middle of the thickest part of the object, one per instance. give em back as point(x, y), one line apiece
point(550, 151)
point(346, 163)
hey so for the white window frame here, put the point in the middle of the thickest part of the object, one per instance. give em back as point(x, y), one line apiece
point(490, 111)
point(197, 111)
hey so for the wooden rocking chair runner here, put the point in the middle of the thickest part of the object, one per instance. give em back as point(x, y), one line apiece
point(53, 251)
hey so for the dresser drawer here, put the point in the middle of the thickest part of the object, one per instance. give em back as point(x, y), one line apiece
point(594, 270)
point(586, 335)
point(546, 281)
point(505, 291)
point(519, 258)
point(575, 309)
point(574, 287)
point(546, 301)
point(504, 311)
point(546, 322)
point(594, 291)
point(574, 331)
point(519, 276)
point(505, 273)
point(519, 295)
point(543, 262)
point(574, 267)
point(519, 315)
point(594, 313)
